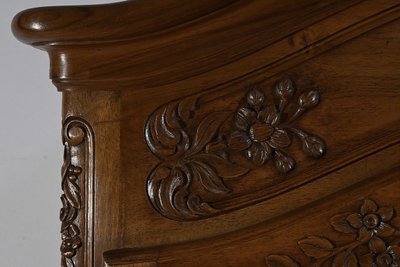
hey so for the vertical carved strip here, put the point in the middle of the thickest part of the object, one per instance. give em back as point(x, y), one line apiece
point(76, 215)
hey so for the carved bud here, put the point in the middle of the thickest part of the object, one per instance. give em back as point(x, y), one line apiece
point(313, 146)
point(255, 98)
point(284, 89)
point(309, 99)
point(283, 163)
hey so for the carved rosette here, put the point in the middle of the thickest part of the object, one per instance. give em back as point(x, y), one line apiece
point(196, 153)
point(376, 241)
point(77, 181)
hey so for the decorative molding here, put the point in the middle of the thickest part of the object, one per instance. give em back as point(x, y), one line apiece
point(376, 242)
point(196, 153)
point(76, 215)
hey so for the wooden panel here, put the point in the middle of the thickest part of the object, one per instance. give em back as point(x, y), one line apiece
point(371, 127)
point(226, 133)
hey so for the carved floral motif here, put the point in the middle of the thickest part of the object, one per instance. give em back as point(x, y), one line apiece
point(196, 153)
point(376, 242)
point(262, 134)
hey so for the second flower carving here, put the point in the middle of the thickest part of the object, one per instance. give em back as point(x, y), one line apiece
point(375, 242)
point(262, 133)
point(197, 152)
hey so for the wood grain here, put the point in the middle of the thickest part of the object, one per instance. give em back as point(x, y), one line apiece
point(253, 125)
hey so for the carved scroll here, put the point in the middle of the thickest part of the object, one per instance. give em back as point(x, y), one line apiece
point(376, 241)
point(195, 153)
point(78, 194)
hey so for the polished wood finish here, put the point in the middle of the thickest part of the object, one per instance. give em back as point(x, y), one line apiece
point(226, 133)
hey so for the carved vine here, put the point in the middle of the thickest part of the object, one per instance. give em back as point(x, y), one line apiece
point(376, 242)
point(73, 212)
point(71, 200)
point(195, 153)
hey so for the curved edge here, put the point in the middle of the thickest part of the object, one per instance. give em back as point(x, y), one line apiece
point(107, 22)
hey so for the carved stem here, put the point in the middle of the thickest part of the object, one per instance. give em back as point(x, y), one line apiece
point(298, 132)
point(348, 247)
point(296, 115)
point(282, 105)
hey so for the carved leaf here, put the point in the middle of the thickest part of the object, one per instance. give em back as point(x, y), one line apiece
point(280, 261)
point(167, 192)
point(313, 146)
point(186, 107)
point(316, 247)
point(208, 178)
point(340, 223)
point(222, 167)
point(207, 129)
point(163, 132)
point(70, 187)
point(345, 259)
point(198, 207)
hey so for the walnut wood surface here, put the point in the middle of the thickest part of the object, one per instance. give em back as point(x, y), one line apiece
point(226, 133)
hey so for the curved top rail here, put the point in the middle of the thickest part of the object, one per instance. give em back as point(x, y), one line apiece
point(102, 23)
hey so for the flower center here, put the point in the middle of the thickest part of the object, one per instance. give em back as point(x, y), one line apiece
point(384, 260)
point(371, 221)
point(260, 131)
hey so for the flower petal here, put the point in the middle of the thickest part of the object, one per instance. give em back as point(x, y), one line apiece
point(366, 260)
point(239, 140)
point(365, 234)
point(244, 118)
point(269, 115)
point(385, 230)
point(279, 139)
point(395, 250)
point(259, 153)
point(386, 213)
point(355, 220)
point(283, 163)
point(376, 245)
point(76, 242)
point(368, 207)
point(385, 260)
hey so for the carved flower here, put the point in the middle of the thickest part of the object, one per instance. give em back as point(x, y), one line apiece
point(372, 220)
point(257, 132)
point(381, 255)
point(70, 240)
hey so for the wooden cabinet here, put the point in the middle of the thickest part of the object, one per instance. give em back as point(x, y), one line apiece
point(227, 133)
